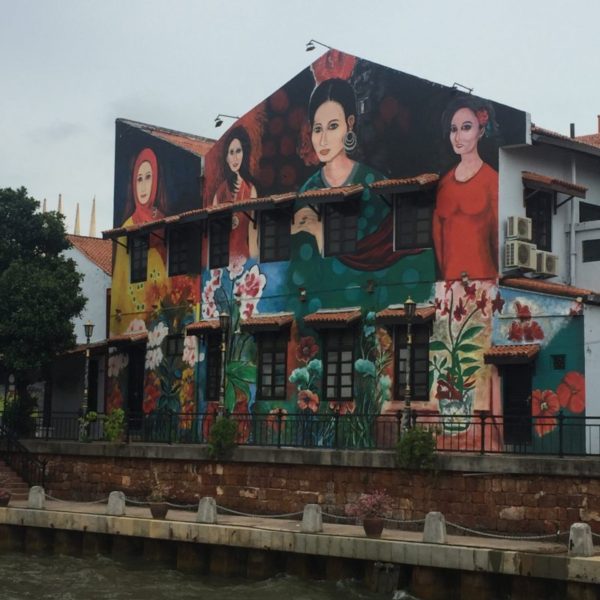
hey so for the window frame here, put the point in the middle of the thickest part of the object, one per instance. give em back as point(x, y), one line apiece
point(340, 218)
point(406, 207)
point(280, 341)
point(139, 246)
point(281, 235)
point(218, 247)
point(418, 330)
point(181, 250)
point(174, 345)
point(346, 339)
point(539, 205)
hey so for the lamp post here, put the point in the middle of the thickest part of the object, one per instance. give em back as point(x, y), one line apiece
point(224, 320)
point(88, 328)
point(409, 313)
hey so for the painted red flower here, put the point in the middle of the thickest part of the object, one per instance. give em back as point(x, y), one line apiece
point(446, 390)
point(114, 398)
point(242, 416)
point(448, 286)
point(482, 117)
point(151, 396)
point(344, 407)
point(545, 405)
point(571, 392)
point(460, 311)
point(532, 331)
point(515, 333)
point(276, 419)
point(522, 311)
point(470, 291)
point(308, 400)
point(482, 302)
point(446, 309)
point(307, 349)
point(497, 303)
point(212, 409)
point(438, 304)
point(333, 64)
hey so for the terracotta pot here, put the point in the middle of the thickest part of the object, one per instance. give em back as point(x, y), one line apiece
point(158, 509)
point(373, 526)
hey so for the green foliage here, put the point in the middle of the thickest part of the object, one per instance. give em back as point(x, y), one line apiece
point(114, 425)
point(39, 289)
point(221, 440)
point(416, 449)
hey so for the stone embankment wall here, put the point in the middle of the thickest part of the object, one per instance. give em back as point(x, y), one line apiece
point(497, 493)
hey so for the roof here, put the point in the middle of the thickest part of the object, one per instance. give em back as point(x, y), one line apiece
point(200, 327)
point(406, 184)
point(98, 250)
point(332, 317)
point(267, 322)
point(540, 134)
point(397, 314)
point(193, 143)
point(332, 192)
point(511, 354)
point(537, 180)
point(546, 287)
point(592, 139)
point(127, 338)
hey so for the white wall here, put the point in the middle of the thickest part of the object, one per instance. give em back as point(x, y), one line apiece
point(591, 336)
point(94, 286)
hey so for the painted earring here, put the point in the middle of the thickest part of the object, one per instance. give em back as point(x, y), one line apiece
point(350, 141)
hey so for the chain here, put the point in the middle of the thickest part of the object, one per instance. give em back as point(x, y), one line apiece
point(243, 514)
point(101, 501)
point(506, 537)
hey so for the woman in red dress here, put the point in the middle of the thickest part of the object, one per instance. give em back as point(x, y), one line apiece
point(465, 220)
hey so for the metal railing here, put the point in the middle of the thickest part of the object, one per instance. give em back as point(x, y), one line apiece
point(19, 459)
point(483, 433)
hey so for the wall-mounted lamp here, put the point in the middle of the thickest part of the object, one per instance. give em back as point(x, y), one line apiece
point(219, 119)
point(310, 46)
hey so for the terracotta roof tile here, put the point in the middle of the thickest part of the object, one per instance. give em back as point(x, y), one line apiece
point(511, 354)
point(332, 318)
point(99, 251)
point(393, 314)
point(203, 327)
point(546, 287)
point(343, 192)
point(267, 321)
point(566, 187)
point(422, 181)
point(127, 338)
point(592, 139)
point(584, 140)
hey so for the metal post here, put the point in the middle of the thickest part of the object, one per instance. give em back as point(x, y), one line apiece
point(224, 323)
point(83, 426)
point(407, 387)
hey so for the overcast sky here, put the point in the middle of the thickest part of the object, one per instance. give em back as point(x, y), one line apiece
point(69, 68)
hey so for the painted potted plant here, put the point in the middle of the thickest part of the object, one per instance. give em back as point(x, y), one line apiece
point(371, 509)
point(157, 501)
point(4, 494)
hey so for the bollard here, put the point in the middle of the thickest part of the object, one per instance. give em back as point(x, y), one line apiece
point(312, 519)
point(580, 540)
point(37, 498)
point(207, 511)
point(434, 531)
point(116, 504)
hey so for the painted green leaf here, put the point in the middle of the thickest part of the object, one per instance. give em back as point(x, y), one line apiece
point(468, 347)
point(243, 371)
point(468, 360)
point(437, 346)
point(470, 370)
point(471, 332)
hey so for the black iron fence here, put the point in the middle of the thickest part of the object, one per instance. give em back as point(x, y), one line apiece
point(17, 456)
point(483, 433)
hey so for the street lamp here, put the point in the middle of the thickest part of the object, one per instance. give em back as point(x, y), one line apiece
point(89, 330)
point(409, 313)
point(224, 320)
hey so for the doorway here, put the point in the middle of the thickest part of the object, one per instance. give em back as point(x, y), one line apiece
point(516, 404)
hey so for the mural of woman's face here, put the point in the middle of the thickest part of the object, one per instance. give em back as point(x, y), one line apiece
point(143, 182)
point(465, 131)
point(235, 155)
point(329, 129)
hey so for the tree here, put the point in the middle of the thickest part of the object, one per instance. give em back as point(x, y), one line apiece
point(39, 288)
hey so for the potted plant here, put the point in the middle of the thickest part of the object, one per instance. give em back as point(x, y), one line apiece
point(157, 498)
point(222, 437)
point(416, 448)
point(4, 494)
point(371, 508)
point(114, 425)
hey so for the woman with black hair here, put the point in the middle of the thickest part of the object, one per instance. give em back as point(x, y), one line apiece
point(238, 185)
point(465, 220)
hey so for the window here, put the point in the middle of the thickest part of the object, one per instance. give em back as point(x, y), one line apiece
point(184, 251)
point(588, 212)
point(590, 250)
point(275, 234)
point(339, 362)
point(213, 367)
point(175, 345)
point(420, 361)
point(138, 248)
point(272, 362)
point(539, 205)
point(219, 242)
point(412, 217)
point(341, 225)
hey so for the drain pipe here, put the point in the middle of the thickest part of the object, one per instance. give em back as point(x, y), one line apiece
point(572, 245)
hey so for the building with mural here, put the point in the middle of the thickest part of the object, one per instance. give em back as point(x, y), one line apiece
point(312, 220)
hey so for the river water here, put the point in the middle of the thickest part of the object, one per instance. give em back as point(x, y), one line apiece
point(24, 577)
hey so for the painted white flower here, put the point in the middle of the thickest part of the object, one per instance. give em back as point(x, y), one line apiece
point(157, 335)
point(116, 363)
point(236, 267)
point(190, 350)
point(136, 326)
point(154, 357)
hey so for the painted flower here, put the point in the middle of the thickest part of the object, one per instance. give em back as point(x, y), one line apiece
point(300, 377)
point(333, 64)
point(154, 293)
point(251, 284)
point(307, 349)
point(523, 311)
point(365, 367)
point(532, 331)
point(186, 392)
point(114, 398)
point(157, 335)
point(315, 367)
point(212, 409)
point(116, 363)
point(343, 407)
point(498, 303)
point(470, 291)
point(247, 309)
point(445, 308)
point(385, 340)
point(154, 357)
point(571, 392)
point(515, 333)
point(243, 417)
point(482, 303)
point(276, 419)
point(151, 393)
point(446, 390)
point(308, 400)
point(180, 290)
point(236, 266)
point(136, 326)
point(482, 117)
point(545, 405)
point(460, 311)
point(190, 350)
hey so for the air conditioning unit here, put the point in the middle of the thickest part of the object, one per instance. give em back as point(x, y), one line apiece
point(520, 255)
point(546, 263)
point(518, 228)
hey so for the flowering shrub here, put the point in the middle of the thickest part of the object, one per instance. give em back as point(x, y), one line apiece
point(376, 504)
